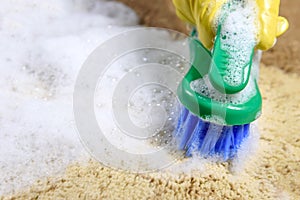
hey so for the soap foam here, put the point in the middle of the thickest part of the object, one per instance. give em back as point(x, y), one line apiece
point(43, 45)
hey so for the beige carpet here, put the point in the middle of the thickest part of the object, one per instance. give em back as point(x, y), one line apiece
point(273, 173)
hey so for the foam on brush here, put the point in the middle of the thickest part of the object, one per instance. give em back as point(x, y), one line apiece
point(204, 87)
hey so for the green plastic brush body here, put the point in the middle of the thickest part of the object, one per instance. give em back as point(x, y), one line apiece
point(203, 62)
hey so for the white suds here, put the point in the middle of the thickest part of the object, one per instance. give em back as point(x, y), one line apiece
point(43, 45)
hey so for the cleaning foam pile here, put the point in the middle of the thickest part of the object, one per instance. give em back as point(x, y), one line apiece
point(43, 45)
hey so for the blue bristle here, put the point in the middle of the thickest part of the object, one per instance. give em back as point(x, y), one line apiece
point(186, 131)
point(197, 136)
point(183, 114)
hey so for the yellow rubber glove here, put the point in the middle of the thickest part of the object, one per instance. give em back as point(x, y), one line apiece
point(270, 24)
point(203, 15)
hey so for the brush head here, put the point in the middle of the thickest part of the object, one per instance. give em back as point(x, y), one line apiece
point(194, 135)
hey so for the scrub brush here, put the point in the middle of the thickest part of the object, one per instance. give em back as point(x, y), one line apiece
point(216, 113)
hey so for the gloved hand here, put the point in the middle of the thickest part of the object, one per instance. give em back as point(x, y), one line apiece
point(271, 25)
point(203, 14)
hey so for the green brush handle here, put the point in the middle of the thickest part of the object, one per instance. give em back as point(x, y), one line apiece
point(205, 107)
